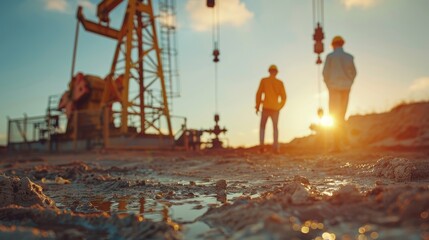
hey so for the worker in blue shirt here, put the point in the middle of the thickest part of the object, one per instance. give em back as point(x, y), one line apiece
point(339, 74)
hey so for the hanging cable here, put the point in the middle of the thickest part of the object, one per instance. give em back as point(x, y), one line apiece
point(76, 38)
point(322, 11)
point(216, 43)
point(319, 87)
point(216, 142)
point(314, 14)
point(318, 24)
point(216, 90)
point(218, 25)
point(318, 36)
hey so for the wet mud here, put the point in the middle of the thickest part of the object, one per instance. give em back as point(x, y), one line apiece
point(235, 194)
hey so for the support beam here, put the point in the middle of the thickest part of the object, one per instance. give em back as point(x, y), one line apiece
point(95, 27)
point(161, 73)
point(143, 8)
point(105, 7)
point(137, 57)
point(129, 45)
point(141, 53)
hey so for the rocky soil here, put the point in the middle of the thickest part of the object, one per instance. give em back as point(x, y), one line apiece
point(237, 194)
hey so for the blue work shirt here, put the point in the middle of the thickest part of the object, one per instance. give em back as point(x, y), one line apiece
point(339, 71)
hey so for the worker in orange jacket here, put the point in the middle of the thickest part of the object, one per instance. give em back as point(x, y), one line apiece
point(274, 98)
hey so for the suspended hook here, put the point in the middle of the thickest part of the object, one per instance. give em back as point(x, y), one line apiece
point(319, 60)
point(320, 112)
point(210, 3)
point(318, 37)
point(216, 54)
point(318, 22)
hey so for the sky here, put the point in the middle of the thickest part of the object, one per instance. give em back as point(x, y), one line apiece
point(388, 38)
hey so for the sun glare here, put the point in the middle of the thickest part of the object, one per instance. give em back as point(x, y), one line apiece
point(326, 121)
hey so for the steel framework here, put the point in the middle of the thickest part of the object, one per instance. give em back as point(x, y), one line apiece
point(143, 99)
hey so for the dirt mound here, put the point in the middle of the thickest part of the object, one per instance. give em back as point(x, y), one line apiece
point(375, 212)
point(22, 192)
point(72, 171)
point(259, 213)
point(89, 226)
point(80, 172)
point(261, 196)
point(405, 126)
point(398, 169)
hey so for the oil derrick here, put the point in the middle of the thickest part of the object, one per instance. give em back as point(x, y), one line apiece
point(136, 79)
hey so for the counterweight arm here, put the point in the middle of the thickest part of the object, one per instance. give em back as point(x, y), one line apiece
point(95, 27)
point(105, 7)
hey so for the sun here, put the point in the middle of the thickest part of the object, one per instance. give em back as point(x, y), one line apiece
point(326, 121)
point(322, 122)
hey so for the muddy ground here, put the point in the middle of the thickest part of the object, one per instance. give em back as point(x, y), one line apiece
point(235, 194)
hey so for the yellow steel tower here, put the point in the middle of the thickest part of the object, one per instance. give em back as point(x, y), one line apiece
point(137, 63)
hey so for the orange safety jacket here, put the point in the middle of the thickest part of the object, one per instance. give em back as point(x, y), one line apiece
point(273, 89)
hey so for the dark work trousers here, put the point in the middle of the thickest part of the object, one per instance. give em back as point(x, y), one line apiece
point(338, 102)
point(274, 115)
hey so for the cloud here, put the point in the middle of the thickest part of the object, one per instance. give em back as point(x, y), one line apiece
point(168, 20)
point(358, 3)
point(67, 6)
point(86, 4)
point(231, 12)
point(56, 5)
point(420, 84)
point(419, 88)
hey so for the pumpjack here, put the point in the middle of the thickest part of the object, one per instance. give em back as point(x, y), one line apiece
point(137, 48)
point(130, 107)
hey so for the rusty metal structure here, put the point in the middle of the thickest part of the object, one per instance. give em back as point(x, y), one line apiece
point(138, 49)
point(130, 107)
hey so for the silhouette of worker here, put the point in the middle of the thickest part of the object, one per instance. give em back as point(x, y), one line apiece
point(339, 73)
point(274, 98)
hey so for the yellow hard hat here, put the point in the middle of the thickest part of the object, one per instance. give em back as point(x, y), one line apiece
point(273, 67)
point(338, 40)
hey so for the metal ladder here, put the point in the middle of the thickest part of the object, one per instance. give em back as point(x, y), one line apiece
point(52, 112)
point(167, 37)
point(53, 101)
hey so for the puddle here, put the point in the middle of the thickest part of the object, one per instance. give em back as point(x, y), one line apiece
point(196, 230)
point(184, 211)
point(154, 177)
point(330, 185)
point(181, 211)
